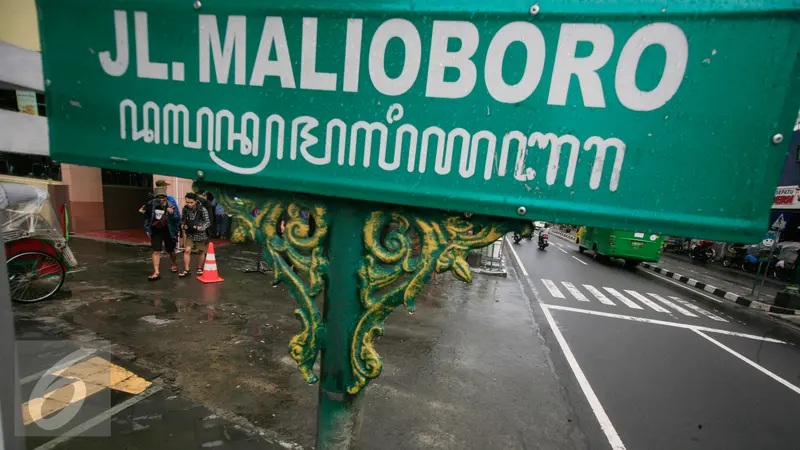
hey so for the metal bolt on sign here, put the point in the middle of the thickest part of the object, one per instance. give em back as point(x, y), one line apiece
point(522, 210)
point(534, 9)
point(777, 139)
point(197, 4)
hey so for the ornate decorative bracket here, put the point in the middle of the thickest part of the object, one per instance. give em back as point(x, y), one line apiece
point(402, 250)
point(400, 261)
point(297, 256)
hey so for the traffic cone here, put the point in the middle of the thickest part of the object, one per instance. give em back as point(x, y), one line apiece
point(210, 273)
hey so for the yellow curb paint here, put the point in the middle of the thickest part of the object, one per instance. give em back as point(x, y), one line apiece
point(38, 408)
point(91, 376)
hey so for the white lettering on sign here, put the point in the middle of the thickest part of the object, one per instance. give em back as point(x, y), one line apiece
point(119, 66)
point(309, 77)
point(281, 67)
point(461, 59)
point(408, 34)
point(228, 54)
point(233, 51)
point(363, 143)
point(585, 69)
point(674, 42)
point(532, 39)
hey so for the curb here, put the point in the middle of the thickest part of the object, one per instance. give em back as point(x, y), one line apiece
point(109, 240)
point(569, 236)
point(736, 298)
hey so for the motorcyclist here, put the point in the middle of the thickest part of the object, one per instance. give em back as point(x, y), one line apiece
point(544, 231)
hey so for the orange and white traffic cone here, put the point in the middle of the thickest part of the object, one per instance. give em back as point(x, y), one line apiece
point(210, 273)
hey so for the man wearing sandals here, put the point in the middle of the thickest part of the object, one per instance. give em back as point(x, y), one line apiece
point(161, 221)
point(195, 223)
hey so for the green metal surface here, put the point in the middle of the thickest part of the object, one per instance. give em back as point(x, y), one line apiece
point(339, 412)
point(654, 116)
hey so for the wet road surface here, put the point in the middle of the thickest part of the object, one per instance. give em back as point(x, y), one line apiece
point(468, 371)
point(647, 366)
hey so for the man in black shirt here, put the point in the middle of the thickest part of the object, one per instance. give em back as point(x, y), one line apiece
point(161, 223)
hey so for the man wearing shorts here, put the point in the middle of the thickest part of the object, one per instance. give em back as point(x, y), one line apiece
point(195, 224)
point(161, 221)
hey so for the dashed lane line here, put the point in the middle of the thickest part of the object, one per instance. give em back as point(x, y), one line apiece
point(579, 260)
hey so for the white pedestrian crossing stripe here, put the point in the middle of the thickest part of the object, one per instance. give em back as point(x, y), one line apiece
point(600, 296)
point(574, 291)
point(625, 300)
point(552, 288)
point(698, 309)
point(672, 305)
point(651, 304)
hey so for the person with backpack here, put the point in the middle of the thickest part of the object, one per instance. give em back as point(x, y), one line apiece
point(205, 202)
point(196, 224)
point(161, 222)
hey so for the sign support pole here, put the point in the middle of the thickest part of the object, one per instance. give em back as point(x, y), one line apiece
point(368, 259)
point(338, 412)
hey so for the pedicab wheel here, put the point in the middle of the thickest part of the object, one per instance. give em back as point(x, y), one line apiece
point(34, 276)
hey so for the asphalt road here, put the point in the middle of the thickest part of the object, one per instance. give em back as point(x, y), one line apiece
point(647, 367)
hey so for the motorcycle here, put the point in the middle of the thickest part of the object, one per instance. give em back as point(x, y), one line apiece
point(783, 270)
point(761, 264)
point(543, 241)
point(528, 236)
point(734, 255)
point(519, 237)
point(703, 251)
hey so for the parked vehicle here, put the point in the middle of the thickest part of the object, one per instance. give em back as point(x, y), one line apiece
point(703, 251)
point(734, 255)
point(677, 245)
point(630, 246)
point(786, 258)
point(37, 253)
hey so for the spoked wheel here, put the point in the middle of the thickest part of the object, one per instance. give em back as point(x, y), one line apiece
point(34, 276)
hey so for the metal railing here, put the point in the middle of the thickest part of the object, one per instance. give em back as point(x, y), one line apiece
point(489, 257)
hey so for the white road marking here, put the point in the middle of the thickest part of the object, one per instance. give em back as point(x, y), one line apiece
point(574, 291)
point(647, 301)
point(559, 244)
point(680, 285)
point(35, 376)
point(579, 260)
point(625, 300)
point(583, 382)
point(761, 369)
point(662, 322)
point(98, 419)
point(552, 288)
point(562, 250)
point(516, 256)
point(672, 305)
point(600, 296)
point(698, 309)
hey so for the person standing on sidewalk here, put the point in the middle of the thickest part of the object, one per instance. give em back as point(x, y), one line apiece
point(178, 241)
point(195, 224)
point(161, 220)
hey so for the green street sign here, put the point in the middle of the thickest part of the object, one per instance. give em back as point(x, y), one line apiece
point(634, 115)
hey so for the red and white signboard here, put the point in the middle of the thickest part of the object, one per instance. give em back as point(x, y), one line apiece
point(786, 197)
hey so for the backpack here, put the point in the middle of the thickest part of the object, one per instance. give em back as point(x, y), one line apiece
point(212, 229)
